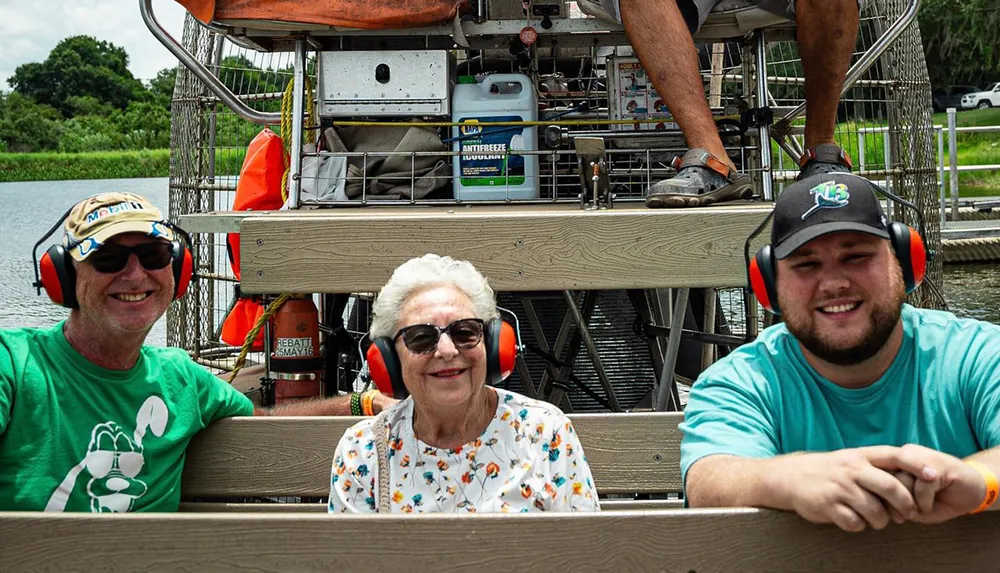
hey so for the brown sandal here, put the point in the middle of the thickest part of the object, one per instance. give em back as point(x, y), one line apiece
point(702, 179)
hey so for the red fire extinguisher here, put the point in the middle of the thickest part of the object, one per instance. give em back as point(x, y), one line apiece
point(296, 359)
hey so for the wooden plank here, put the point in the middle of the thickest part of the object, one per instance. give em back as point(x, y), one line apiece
point(517, 247)
point(209, 507)
point(705, 541)
point(260, 456)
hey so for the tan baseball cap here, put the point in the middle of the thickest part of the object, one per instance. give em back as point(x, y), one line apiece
point(96, 219)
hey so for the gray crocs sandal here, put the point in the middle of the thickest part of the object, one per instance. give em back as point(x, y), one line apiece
point(823, 159)
point(702, 179)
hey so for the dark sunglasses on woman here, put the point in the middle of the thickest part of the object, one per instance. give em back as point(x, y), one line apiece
point(423, 338)
point(113, 258)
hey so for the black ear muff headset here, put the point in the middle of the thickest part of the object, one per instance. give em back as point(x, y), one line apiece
point(56, 275)
point(501, 339)
point(908, 245)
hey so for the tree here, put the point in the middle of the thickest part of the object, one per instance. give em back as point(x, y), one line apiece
point(27, 126)
point(145, 125)
point(79, 66)
point(161, 88)
point(241, 76)
point(961, 43)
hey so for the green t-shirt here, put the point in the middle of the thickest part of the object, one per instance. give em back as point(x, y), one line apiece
point(76, 437)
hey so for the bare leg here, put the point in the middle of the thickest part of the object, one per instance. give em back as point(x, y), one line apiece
point(661, 39)
point(827, 31)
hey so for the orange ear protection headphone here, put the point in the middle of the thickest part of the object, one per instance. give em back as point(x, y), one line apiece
point(502, 341)
point(55, 272)
point(907, 244)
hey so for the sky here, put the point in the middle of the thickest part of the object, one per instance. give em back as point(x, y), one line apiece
point(29, 29)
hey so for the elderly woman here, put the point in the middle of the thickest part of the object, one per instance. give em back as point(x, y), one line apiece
point(455, 444)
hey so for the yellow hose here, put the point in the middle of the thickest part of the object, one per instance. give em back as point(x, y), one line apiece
point(252, 335)
point(286, 125)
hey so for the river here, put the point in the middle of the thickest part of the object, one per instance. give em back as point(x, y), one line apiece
point(30, 209)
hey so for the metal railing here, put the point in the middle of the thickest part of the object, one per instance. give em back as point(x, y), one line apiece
point(953, 168)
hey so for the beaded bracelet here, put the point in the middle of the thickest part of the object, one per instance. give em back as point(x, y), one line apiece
point(356, 404)
point(367, 400)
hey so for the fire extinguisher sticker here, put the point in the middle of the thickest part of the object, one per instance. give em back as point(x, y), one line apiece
point(294, 347)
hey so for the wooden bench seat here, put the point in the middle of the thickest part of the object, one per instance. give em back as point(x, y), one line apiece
point(627, 452)
point(687, 541)
point(518, 247)
point(291, 457)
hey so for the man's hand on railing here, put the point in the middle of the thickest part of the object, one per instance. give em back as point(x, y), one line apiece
point(853, 488)
point(959, 487)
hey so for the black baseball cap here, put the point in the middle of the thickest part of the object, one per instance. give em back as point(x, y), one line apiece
point(824, 204)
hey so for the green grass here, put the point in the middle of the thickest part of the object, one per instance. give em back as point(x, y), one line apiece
point(102, 165)
point(979, 183)
point(973, 149)
point(95, 165)
point(971, 117)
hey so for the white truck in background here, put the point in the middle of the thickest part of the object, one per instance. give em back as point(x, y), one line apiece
point(990, 97)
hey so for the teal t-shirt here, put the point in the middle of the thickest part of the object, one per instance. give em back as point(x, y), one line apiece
point(76, 437)
point(942, 391)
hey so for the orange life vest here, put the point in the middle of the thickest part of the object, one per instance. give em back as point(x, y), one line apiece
point(258, 189)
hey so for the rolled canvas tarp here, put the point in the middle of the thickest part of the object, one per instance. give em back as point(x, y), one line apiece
point(368, 14)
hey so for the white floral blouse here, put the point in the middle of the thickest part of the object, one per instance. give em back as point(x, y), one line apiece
point(528, 459)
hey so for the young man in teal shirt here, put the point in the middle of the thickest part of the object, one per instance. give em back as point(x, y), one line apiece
point(90, 418)
point(859, 409)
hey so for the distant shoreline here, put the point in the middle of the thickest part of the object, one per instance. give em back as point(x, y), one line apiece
point(47, 166)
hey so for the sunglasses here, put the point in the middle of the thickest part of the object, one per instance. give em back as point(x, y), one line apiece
point(100, 463)
point(423, 338)
point(114, 258)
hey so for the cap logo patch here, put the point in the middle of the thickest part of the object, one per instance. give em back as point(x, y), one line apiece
point(107, 210)
point(828, 195)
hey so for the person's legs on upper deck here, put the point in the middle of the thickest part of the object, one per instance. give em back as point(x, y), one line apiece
point(826, 32)
point(661, 35)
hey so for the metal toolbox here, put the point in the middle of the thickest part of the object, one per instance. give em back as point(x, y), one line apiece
point(385, 83)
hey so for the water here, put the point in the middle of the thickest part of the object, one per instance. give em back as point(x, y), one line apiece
point(973, 291)
point(30, 209)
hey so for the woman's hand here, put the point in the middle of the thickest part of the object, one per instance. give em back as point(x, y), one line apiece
point(382, 402)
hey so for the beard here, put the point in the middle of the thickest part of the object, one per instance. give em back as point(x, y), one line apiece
point(884, 316)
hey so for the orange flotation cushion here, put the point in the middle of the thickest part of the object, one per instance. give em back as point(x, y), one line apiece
point(258, 189)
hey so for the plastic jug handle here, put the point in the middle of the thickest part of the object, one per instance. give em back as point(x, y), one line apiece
point(518, 79)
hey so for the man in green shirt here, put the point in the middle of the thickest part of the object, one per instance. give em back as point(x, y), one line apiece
point(91, 419)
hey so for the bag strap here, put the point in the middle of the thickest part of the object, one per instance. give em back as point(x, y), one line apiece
point(381, 443)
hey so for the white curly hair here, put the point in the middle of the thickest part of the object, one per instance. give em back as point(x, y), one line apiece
point(422, 273)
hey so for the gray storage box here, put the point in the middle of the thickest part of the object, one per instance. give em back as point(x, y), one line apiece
point(384, 83)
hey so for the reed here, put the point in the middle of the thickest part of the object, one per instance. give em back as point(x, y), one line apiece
point(94, 165)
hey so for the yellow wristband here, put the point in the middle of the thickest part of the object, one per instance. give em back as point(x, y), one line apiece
point(367, 401)
point(992, 486)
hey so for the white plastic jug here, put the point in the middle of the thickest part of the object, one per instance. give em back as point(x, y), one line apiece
point(485, 170)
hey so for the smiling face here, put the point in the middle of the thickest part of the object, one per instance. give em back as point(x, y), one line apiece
point(841, 295)
point(447, 376)
point(126, 302)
